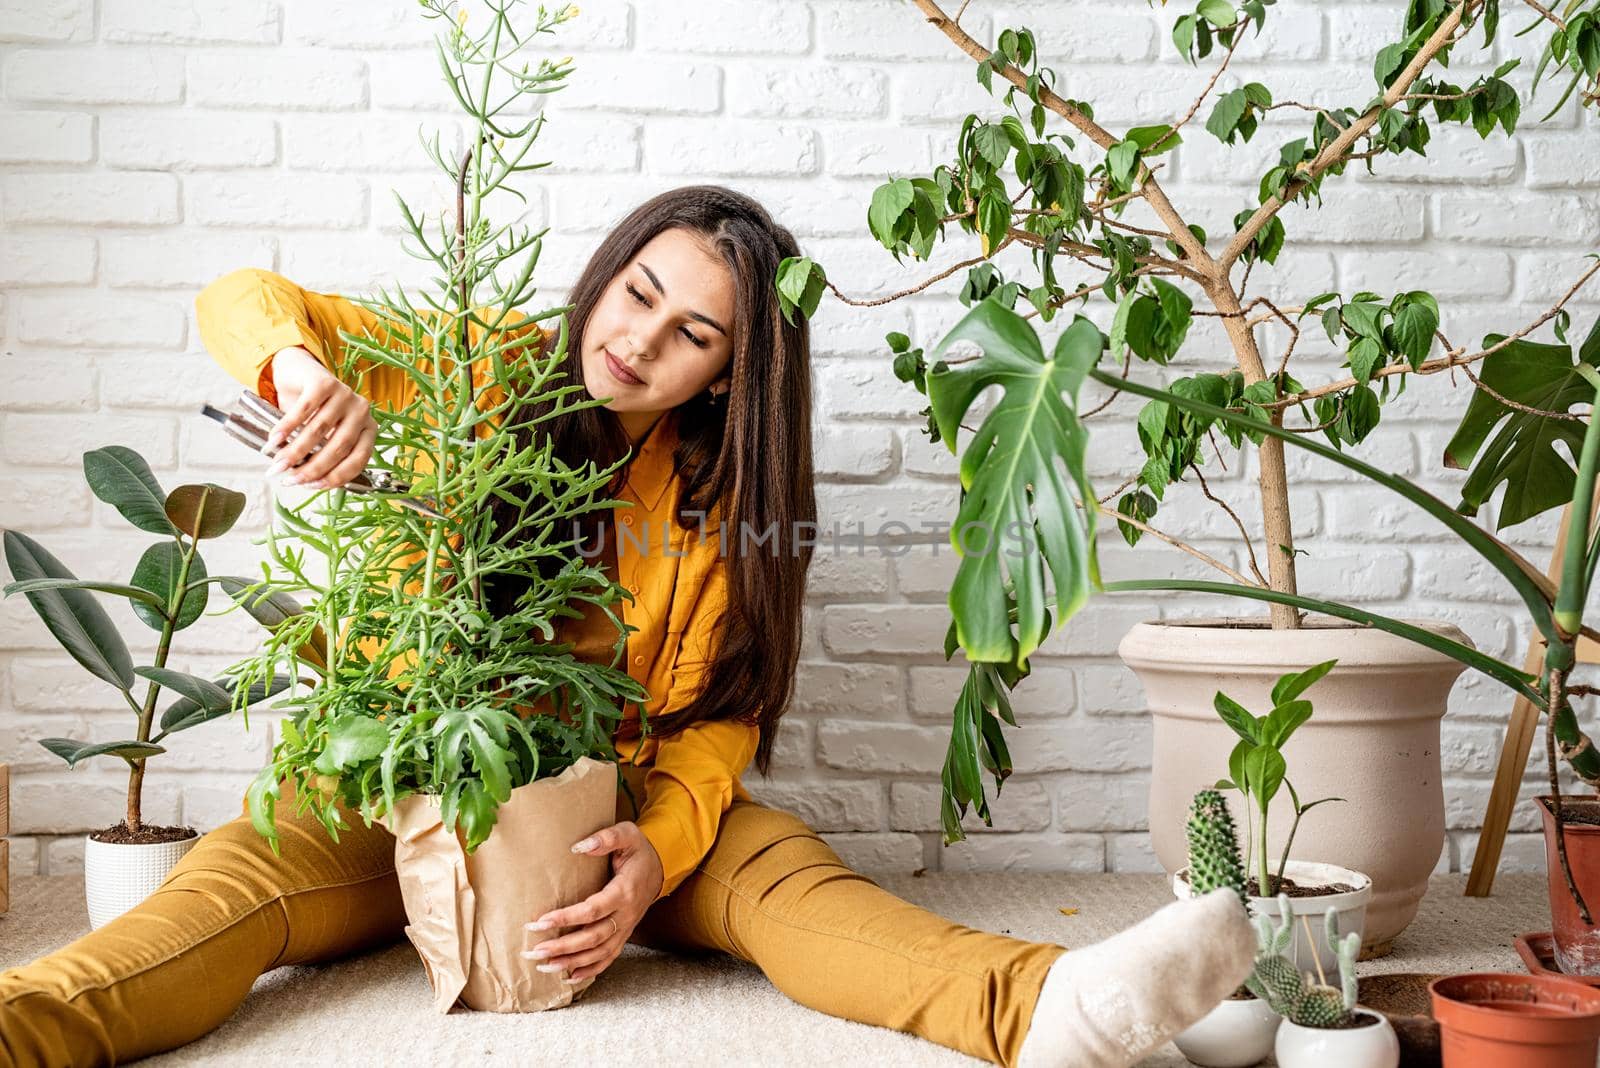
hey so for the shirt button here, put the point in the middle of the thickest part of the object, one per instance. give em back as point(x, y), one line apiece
point(627, 519)
point(638, 661)
point(634, 589)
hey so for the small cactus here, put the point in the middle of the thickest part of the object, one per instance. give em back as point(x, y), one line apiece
point(1293, 995)
point(1214, 859)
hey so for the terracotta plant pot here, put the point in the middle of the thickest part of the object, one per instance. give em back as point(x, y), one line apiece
point(119, 875)
point(1492, 1019)
point(1374, 740)
point(1310, 944)
point(1235, 1034)
point(1372, 1046)
point(1577, 944)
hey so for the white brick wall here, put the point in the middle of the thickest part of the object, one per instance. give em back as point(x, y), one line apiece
point(149, 146)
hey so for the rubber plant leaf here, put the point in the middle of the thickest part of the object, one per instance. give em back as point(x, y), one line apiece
point(73, 616)
point(72, 751)
point(204, 511)
point(1023, 474)
point(158, 571)
point(1504, 445)
point(271, 609)
point(120, 477)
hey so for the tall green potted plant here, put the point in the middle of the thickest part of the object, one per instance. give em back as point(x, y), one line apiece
point(168, 591)
point(1087, 206)
point(475, 735)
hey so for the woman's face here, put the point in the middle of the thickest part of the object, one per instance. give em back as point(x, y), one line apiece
point(661, 332)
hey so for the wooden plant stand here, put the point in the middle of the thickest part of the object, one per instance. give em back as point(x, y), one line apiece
point(5, 846)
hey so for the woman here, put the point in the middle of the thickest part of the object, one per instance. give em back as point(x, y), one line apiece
point(676, 327)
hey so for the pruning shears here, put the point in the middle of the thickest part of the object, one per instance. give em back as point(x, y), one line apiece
point(255, 417)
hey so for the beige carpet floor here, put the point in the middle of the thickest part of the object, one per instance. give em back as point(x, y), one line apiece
point(657, 1009)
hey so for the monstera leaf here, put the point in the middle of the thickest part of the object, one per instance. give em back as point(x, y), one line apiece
point(1522, 452)
point(1017, 505)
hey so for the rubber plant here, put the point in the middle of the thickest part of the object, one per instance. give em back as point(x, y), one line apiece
point(419, 688)
point(168, 591)
point(1079, 197)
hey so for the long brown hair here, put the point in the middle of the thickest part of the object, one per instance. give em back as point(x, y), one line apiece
point(746, 457)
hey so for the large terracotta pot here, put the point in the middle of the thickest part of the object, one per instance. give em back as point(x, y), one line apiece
point(1373, 740)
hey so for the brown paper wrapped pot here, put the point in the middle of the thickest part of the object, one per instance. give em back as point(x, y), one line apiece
point(467, 913)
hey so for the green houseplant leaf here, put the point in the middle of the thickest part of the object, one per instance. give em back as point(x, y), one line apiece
point(187, 712)
point(160, 570)
point(120, 477)
point(204, 511)
point(73, 615)
point(1011, 474)
point(1518, 449)
point(271, 608)
point(72, 751)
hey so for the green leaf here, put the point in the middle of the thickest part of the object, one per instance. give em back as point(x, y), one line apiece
point(1237, 717)
point(158, 571)
point(1225, 116)
point(1282, 721)
point(73, 616)
point(1154, 140)
point(202, 691)
point(1414, 325)
point(133, 593)
point(1524, 452)
point(1219, 13)
point(992, 144)
point(1264, 769)
point(1122, 160)
point(120, 477)
point(204, 511)
point(994, 219)
point(1366, 355)
point(1023, 471)
point(352, 739)
point(271, 609)
point(187, 712)
point(72, 751)
point(1292, 685)
point(889, 202)
point(1141, 506)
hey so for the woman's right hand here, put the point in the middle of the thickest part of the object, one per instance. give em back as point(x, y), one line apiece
point(325, 411)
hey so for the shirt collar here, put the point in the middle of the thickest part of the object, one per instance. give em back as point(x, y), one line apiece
point(651, 468)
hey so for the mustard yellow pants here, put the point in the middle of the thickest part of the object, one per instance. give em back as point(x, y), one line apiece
point(770, 892)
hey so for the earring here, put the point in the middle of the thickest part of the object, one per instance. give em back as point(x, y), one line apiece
point(715, 397)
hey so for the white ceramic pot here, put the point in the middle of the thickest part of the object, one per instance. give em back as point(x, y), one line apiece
point(1235, 1034)
point(1310, 944)
point(118, 876)
point(1357, 1047)
point(1374, 740)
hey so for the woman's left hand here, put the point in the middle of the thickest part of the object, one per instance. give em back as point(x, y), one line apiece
point(609, 915)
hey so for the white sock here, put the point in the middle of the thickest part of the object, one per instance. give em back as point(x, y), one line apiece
point(1108, 1005)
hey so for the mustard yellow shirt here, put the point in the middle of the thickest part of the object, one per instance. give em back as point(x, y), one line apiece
point(678, 579)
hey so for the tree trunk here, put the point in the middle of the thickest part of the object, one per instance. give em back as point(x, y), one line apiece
point(1274, 479)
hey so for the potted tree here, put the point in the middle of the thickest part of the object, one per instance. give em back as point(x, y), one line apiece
point(168, 591)
point(459, 721)
point(1086, 204)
